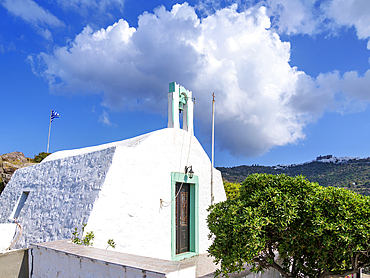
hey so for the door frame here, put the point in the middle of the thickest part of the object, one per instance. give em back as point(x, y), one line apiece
point(193, 217)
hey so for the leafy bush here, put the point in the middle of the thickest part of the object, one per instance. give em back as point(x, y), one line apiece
point(232, 189)
point(315, 231)
point(86, 240)
point(111, 243)
point(40, 157)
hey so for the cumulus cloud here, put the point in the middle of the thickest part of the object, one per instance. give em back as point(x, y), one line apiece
point(261, 101)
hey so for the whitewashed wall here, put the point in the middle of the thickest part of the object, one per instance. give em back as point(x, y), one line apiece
point(7, 233)
point(128, 209)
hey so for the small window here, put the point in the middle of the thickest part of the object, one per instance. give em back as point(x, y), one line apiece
point(20, 205)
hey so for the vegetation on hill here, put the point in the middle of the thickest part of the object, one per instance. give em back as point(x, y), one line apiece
point(40, 157)
point(318, 232)
point(353, 174)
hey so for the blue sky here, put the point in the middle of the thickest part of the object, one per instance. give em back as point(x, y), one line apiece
point(290, 77)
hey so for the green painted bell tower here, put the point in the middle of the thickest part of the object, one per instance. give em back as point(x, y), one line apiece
point(180, 100)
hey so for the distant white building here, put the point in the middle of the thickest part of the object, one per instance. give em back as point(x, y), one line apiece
point(138, 192)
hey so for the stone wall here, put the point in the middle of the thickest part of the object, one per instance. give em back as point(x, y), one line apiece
point(61, 196)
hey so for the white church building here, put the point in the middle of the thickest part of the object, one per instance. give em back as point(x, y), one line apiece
point(149, 194)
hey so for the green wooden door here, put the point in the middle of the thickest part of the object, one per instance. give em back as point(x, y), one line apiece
point(182, 217)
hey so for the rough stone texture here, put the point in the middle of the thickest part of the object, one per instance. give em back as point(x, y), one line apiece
point(61, 195)
point(9, 163)
point(15, 157)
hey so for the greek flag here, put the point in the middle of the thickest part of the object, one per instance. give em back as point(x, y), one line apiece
point(53, 115)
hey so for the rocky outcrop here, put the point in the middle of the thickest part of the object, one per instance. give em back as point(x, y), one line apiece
point(9, 163)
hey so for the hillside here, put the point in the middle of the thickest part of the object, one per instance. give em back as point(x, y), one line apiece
point(353, 174)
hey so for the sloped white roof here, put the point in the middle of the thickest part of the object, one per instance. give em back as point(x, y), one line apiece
point(131, 142)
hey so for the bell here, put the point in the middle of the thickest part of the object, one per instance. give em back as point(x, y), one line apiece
point(181, 107)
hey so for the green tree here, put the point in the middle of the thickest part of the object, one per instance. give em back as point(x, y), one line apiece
point(297, 227)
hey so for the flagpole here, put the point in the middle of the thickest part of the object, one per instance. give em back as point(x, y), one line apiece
point(213, 144)
point(47, 149)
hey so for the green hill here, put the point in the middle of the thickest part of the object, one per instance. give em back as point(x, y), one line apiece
point(353, 174)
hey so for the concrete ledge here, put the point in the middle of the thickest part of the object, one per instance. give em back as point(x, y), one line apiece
point(198, 266)
point(51, 259)
point(14, 263)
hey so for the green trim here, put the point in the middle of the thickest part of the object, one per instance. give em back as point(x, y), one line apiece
point(184, 99)
point(172, 87)
point(194, 216)
point(183, 90)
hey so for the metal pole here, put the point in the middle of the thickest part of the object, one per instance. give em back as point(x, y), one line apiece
point(47, 148)
point(213, 145)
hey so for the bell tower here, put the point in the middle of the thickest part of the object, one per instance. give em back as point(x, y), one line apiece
point(180, 100)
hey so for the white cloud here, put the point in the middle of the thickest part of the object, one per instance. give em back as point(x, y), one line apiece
point(331, 92)
point(295, 17)
point(42, 19)
point(7, 47)
point(312, 17)
point(261, 101)
point(82, 6)
point(31, 12)
point(352, 13)
point(288, 16)
point(307, 16)
point(105, 119)
point(34, 14)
